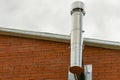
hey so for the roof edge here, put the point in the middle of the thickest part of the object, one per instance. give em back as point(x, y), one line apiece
point(34, 35)
point(59, 38)
point(102, 43)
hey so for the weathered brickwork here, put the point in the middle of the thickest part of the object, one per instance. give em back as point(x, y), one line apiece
point(32, 59)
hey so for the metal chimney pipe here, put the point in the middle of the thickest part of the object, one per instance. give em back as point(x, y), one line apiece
point(77, 13)
point(76, 33)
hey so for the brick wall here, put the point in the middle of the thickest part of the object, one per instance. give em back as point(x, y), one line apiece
point(32, 59)
point(106, 62)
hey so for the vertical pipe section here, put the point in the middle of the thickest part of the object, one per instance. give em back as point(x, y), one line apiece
point(77, 13)
point(76, 39)
point(76, 34)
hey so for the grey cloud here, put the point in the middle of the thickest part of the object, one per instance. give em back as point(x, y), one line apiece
point(54, 16)
point(101, 13)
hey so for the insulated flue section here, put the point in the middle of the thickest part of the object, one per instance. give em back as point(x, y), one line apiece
point(76, 39)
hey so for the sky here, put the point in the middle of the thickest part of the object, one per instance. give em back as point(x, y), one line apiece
point(102, 19)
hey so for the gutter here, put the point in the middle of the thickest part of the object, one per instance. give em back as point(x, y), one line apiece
point(58, 38)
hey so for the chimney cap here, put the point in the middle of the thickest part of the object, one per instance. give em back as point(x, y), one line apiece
point(77, 4)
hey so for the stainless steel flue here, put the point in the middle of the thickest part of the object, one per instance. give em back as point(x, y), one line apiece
point(77, 12)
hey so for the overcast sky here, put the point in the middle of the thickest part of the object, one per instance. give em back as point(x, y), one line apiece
point(102, 19)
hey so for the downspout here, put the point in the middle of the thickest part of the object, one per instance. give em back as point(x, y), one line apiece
point(76, 67)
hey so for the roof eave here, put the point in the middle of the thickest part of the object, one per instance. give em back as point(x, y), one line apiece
point(59, 38)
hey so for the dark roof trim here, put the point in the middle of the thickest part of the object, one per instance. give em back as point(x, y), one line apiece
point(58, 38)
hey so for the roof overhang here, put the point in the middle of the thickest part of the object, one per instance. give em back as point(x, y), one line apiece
point(58, 38)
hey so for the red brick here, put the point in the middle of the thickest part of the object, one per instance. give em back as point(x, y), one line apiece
point(32, 59)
